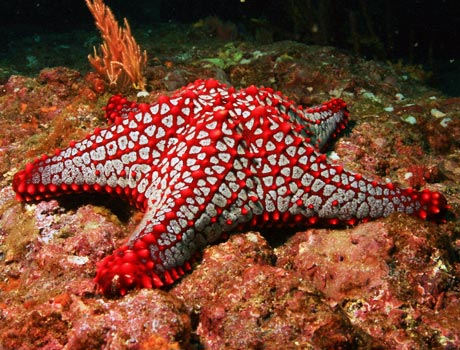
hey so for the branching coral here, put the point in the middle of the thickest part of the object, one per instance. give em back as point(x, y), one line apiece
point(122, 62)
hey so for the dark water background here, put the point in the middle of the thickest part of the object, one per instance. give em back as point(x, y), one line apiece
point(40, 33)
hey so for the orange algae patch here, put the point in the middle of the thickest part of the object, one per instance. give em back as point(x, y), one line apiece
point(48, 109)
point(158, 342)
point(22, 108)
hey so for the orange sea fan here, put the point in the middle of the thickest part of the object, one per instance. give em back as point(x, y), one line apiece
point(122, 61)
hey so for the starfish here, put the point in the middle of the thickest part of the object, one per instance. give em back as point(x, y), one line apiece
point(209, 160)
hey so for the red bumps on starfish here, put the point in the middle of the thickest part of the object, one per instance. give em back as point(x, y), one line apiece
point(209, 160)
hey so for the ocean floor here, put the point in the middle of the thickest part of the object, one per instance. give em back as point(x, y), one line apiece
point(392, 283)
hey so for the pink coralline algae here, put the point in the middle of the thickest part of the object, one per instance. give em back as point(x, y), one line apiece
point(208, 160)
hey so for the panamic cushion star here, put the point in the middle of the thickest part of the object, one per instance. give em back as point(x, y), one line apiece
point(208, 160)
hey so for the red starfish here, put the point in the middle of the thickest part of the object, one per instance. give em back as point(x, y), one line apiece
point(209, 160)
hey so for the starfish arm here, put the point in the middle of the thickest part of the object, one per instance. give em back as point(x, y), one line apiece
point(106, 161)
point(317, 125)
point(156, 254)
point(117, 160)
point(183, 216)
point(295, 184)
point(324, 123)
point(328, 193)
point(162, 246)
